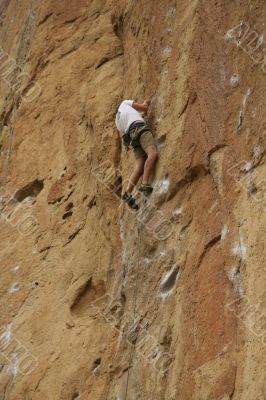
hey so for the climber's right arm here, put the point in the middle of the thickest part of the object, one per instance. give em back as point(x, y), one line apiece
point(141, 107)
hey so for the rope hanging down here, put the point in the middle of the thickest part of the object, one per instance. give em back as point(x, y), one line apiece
point(134, 306)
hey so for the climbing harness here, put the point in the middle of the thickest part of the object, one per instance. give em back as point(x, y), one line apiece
point(133, 134)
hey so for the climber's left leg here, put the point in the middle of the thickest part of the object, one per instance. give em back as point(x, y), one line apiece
point(133, 180)
point(148, 145)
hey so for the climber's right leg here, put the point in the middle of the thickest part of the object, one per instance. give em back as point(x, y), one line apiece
point(149, 164)
point(136, 174)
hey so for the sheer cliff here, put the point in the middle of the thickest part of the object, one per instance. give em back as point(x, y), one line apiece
point(98, 302)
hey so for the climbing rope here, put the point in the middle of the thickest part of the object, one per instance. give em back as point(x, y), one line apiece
point(134, 306)
point(134, 311)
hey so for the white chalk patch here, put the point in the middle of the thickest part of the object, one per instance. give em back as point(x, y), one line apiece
point(146, 261)
point(213, 206)
point(164, 71)
point(166, 51)
point(121, 229)
point(247, 166)
point(225, 348)
point(166, 277)
point(178, 211)
point(167, 30)
point(163, 296)
point(5, 337)
point(224, 232)
point(95, 372)
point(230, 34)
point(123, 241)
point(254, 112)
point(14, 288)
point(234, 80)
point(163, 185)
point(257, 151)
point(235, 277)
point(231, 274)
point(15, 269)
point(29, 200)
point(240, 249)
point(171, 11)
point(34, 250)
point(13, 366)
point(246, 98)
point(160, 145)
point(260, 41)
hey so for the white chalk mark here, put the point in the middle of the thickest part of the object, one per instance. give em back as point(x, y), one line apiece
point(247, 166)
point(260, 41)
point(13, 366)
point(5, 337)
point(213, 206)
point(167, 51)
point(15, 269)
point(224, 232)
point(14, 288)
point(163, 186)
point(171, 11)
point(146, 261)
point(257, 151)
point(234, 80)
point(240, 249)
point(178, 211)
point(246, 98)
point(235, 277)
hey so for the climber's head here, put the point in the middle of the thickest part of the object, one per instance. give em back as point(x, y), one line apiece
point(118, 103)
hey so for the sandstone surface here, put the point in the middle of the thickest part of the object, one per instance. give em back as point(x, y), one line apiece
point(99, 303)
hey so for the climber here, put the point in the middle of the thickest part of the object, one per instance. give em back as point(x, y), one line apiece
point(134, 132)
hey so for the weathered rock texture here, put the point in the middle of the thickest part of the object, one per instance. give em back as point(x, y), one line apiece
point(96, 302)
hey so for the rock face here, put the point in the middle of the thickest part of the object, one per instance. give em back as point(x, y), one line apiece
point(97, 302)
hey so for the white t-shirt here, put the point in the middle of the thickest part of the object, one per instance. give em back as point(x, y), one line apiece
point(126, 115)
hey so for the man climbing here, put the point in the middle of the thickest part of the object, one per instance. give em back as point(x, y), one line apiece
point(134, 132)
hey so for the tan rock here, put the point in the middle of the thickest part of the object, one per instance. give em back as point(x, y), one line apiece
point(167, 303)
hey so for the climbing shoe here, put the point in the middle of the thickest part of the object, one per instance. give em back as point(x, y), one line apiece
point(130, 201)
point(146, 189)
